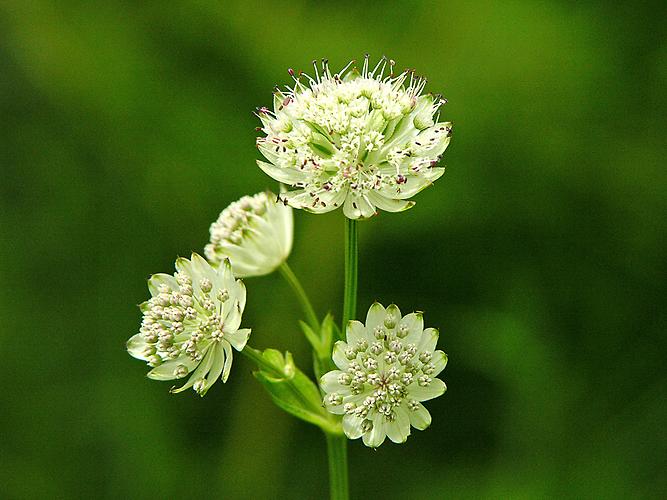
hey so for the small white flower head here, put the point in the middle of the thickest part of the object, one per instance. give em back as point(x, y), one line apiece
point(190, 324)
point(387, 368)
point(255, 233)
point(354, 139)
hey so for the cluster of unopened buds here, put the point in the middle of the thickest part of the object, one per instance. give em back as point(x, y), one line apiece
point(361, 139)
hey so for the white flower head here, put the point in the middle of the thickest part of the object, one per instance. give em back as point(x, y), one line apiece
point(190, 324)
point(360, 140)
point(387, 368)
point(255, 233)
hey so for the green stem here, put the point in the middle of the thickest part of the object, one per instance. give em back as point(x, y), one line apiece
point(351, 264)
point(337, 453)
point(300, 293)
point(337, 445)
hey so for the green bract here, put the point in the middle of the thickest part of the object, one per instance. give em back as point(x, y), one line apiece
point(356, 140)
point(255, 233)
point(190, 324)
point(387, 368)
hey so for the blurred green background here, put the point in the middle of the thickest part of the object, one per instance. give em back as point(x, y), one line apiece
point(126, 128)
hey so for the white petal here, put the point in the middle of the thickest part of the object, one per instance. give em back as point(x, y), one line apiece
point(285, 175)
point(433, 174)
point(203, 269)
point(358, 207)
point(184, 266)
point(429, 340)
point(355, 331)
point(433, 140)
point(389, 204)
point(324, 201)
point(232, 319)
point(268, 152)
point(158, 279)
point(394, 312)
point(375, 316)
point(420, 418)
point(439, 360)
point(415, 324)
point(329, 382)
point(216, 368)
point(399, 429)
point(335, 409)
point(339, 358)
point(167, 371)
point(436, 388)
point(228, 361)
point(200, 372)
point(240, 294)
point(283, 219)
point(223, 274)
point(244, 261)
point(239, 338)
point(352, 426)
point(299, 198)
point(376, 436)
point(136, 345)
point(413, 185)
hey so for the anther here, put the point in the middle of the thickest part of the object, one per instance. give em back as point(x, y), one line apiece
point(402, 331)
point(206, 285)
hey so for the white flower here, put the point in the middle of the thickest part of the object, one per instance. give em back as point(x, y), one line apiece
point(255, 233)
point(386, 369)
point(360, 140)
point(191, 323)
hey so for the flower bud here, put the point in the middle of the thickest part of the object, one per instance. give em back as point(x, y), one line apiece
point(255, 233)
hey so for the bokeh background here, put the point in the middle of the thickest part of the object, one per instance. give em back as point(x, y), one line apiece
point(126, 128)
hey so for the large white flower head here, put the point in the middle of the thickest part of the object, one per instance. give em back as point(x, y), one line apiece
point(255, 233)
point(387, 368)
point(191, 323)
point(357, 139)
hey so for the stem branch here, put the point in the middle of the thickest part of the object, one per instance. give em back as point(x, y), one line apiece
point(300, 293)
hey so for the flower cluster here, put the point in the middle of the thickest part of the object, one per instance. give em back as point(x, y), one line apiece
point(387, 368)
point(357, 139)
point(255, 233)
point(360, 140)
point(190, 324)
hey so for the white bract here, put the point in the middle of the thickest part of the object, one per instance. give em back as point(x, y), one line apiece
point(387, 368)
point(360, 140)
point(255, 233)
point(190, 324)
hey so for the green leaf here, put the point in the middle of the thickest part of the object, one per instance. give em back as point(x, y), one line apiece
point(312, 337)
point(322, 343)
point(328, 331)
point(291, 390)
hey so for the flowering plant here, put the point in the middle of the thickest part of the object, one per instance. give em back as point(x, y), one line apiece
point(358, 139)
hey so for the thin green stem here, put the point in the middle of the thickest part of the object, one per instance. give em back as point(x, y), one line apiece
point(337, 453)
point(300, 293)
point(337, 445)
point(351, 264)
